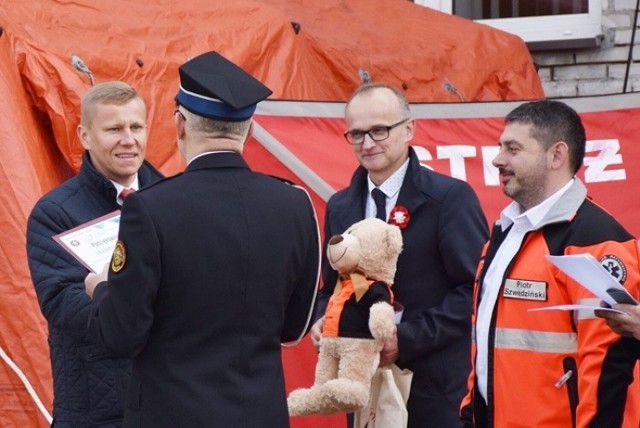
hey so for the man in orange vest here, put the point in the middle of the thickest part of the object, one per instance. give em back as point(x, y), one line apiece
point(548, 368)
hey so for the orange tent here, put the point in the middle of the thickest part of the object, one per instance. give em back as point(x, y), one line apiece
point(303, 50)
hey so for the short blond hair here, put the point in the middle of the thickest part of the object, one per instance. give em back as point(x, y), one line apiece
point(115, 92)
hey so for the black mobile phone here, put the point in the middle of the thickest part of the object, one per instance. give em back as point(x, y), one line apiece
point(621, 296)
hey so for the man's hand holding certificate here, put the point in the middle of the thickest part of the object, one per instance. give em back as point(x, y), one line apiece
point(92, 243)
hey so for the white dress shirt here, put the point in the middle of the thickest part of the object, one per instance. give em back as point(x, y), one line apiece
point(391, 189)
point(135, 185)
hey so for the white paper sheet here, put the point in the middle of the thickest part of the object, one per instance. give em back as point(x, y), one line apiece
point(585, 269)
point(574, 308)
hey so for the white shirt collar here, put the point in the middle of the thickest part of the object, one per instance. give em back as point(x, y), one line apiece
point(135, 185)
point(513, 212)
point(391, 186)
point(208, 153)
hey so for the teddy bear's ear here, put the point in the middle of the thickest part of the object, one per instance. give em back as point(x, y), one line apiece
point(394, 239)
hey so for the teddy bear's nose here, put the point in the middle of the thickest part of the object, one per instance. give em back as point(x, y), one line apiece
point(335, 239)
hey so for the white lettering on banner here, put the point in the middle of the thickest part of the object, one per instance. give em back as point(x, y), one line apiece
point(491, 175)
point(596, 166)
point(456, 155)
point(422, 153)
point(607, 154)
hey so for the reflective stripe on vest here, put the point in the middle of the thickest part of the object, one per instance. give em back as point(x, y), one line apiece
point(537, 341)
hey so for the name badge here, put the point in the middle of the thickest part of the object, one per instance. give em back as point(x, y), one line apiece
point(525, 290)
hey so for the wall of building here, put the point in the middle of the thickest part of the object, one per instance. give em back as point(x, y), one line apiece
point(598, 71)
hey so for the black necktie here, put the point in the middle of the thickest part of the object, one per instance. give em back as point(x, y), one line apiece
point(379, 198)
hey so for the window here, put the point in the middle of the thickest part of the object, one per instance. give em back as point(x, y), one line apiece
point(542, 24)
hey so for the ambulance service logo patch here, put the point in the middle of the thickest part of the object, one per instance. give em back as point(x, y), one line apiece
point(615, 267)
point(119, 257)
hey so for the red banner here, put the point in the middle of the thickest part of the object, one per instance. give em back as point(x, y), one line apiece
point(455, 139)
point(461, 140)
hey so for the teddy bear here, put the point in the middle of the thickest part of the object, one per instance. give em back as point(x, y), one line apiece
point(358, 319)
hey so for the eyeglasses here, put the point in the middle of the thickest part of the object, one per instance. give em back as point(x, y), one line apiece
point(377, 133)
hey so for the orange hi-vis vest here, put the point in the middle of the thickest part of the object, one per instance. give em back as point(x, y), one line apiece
point(347, 316)
point(557, 368)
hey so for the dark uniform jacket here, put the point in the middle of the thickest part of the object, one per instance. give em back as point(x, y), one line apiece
point(434, 281)
point(89, 384)
point(217, 267)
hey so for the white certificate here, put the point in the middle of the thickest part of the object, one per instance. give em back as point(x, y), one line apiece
point(585, 269)
point(92, 243)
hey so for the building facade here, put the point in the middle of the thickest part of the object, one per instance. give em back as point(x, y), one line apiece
point(599, 55)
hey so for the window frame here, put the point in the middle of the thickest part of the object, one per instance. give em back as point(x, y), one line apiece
point(580, 30)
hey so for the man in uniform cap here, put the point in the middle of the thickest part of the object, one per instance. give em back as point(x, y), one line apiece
point(213, 87)
point(213, 269)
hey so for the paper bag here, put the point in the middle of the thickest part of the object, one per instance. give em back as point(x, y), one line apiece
point(388, 397)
